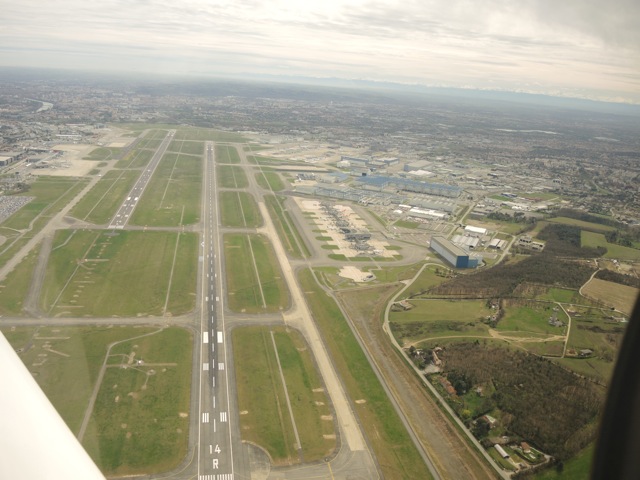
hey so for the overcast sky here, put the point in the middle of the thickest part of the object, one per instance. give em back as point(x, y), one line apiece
point(578, 48)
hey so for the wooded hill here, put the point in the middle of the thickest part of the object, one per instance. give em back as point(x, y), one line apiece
point(538, 401)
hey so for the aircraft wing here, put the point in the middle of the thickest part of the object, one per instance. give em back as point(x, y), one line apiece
point(35, 443)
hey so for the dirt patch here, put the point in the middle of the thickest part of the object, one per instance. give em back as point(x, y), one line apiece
point(355, 274)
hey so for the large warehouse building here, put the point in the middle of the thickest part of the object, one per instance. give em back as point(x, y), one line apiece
point(456, 256)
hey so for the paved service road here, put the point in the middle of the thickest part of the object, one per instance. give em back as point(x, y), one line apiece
point(125, 211)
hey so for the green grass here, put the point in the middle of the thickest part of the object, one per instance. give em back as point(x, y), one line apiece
point(239, 209)
point(396, 454)
point(230, 176)
point(447, 310)
point(187, 132)
point(51, 195)
point(100, 204)
point(600, 336)
point(15, 286)
point(145, 430)
point(440, 318)
point(137, 158)
point(172, 197)
point(65, 361)
point(103, 153)
point(406, 224)
point(576, 468)
point(289, 235)
point(563, 295)
point(533, 317)
point(95, 273)
point(186, 146)
point(264, 160)
point(265, 419)
point(430, 277)
point(226, 154)
point(582, 224)
point(270, 181)
point(254, 279)
point(596, 368)
point(619, 252)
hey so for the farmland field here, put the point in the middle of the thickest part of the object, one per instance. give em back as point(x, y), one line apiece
point(592, 239)
point(440, 318)
point(622, 297)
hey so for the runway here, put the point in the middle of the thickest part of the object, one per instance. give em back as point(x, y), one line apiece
point(122, 216)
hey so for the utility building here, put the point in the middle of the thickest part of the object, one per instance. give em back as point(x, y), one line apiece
point(456, 256)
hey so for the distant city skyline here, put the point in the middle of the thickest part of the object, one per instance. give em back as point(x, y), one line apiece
point(575, 48)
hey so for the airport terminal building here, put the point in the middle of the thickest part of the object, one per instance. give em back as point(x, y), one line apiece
point(456, 256)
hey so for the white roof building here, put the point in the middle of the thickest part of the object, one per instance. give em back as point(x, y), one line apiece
point(478, 230)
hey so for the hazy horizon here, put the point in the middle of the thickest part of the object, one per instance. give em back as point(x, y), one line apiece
point(576, 49)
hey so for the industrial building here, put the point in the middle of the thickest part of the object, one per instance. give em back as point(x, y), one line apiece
point(7, 158)
point(456, 256)
point(396, 184)
point(471, 230)
point(355, 161)
point(417, 165)
point(429, 214)
point(465, 241)
point(498, 244)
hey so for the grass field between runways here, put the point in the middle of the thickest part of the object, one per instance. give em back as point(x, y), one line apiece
point(254, 279)
point(127, 273)
point(231, 176)
point(270, 181)
point(265, 418)
point(239, 209)
point(226, 154)
point(289, 235)
point(172, 197)
point(100, 204)
point(140, 421)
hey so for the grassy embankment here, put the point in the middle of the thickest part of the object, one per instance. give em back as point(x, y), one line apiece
point(396, 454)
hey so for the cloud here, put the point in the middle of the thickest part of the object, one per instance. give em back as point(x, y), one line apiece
point(558, 46)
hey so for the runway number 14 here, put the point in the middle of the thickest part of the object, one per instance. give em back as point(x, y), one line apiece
point(217, 449)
